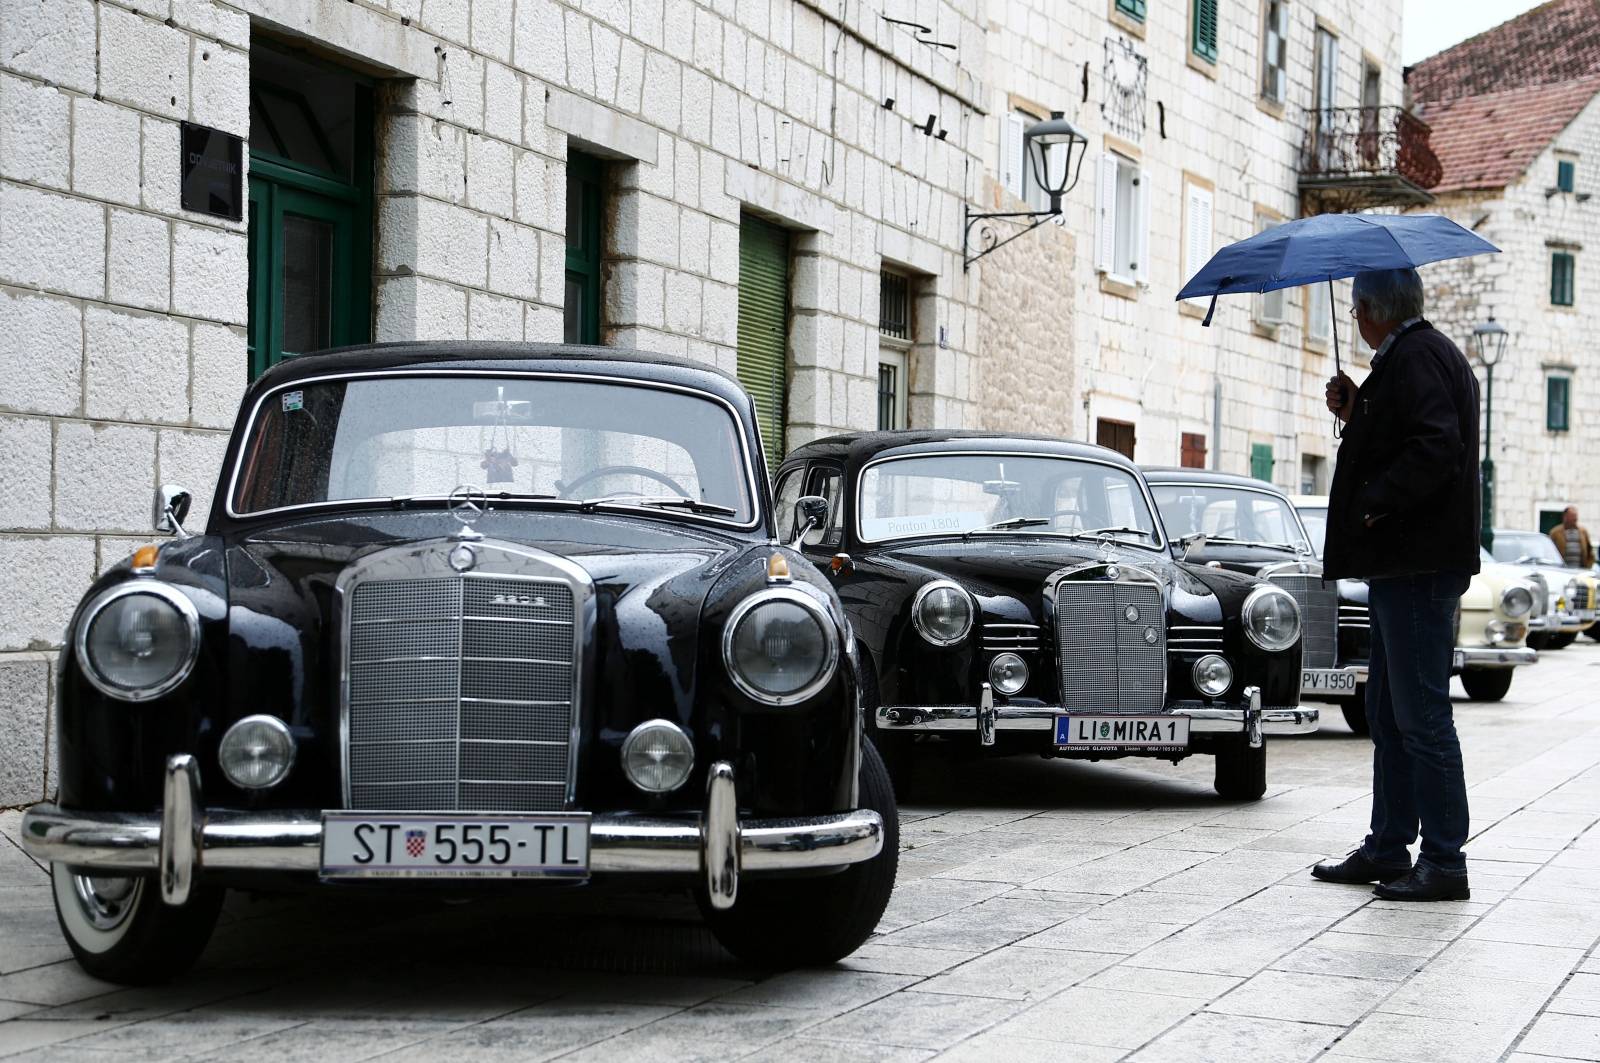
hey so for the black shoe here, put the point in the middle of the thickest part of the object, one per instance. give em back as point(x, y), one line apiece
point(1426, 883)
point(1358, 869)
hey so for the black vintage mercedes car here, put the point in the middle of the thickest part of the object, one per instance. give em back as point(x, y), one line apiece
point(1247, 525)
point(466, 614)
point(1015, 593)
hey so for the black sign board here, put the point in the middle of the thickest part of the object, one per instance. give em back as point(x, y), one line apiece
point(213, 172)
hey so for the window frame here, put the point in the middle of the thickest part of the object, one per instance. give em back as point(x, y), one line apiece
point(1264, 218)
point(1566, 175)
point(1202, 13)
point(1551, 380)
point(1134, 9)
point(1280, 67)
point(1563, 294)
point(1194, 257)
point(1112, 212)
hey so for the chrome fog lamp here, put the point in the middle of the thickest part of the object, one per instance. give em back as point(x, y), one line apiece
point(1495, 632)
point(780, 646)
point(1213, 675)
point(657, 756)
point(138, 640)
point(257, 752)
point(1570, 592)
point(942, 612)
point(1516, 602)
point(1271, 618)
point(1008, 673)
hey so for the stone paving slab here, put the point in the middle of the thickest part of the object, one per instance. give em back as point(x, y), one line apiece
point(1045, 911)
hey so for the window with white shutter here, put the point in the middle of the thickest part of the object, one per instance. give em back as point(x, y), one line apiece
point(1105, 195)
point(1271, 307)
point(1140, 266)
point(1319, 320)
point(1012, 126)
point(1197, 237)
point(1122, 237)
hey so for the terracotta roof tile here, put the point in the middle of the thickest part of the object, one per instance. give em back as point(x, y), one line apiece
point(1495, 101)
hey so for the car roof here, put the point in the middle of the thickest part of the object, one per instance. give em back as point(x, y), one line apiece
point(1309, 501)
point(490, 355)
point(1168, 474)
point(857, 447)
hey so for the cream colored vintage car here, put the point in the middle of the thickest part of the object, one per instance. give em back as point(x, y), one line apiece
point(1492, 626)
point(1573, 591)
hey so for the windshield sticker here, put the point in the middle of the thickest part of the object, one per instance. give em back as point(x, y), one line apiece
point(293, 400)
point(919, 524)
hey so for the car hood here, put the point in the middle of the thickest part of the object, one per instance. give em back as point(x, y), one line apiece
point(651, 582)
point(1018, 565)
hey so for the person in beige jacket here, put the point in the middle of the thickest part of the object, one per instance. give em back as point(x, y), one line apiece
point(1572, 541)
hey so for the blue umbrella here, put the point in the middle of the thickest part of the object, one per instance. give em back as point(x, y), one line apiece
point(1328, 247)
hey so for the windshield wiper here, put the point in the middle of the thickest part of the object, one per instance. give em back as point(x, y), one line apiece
point(1102, 533)
point(1007, 525)
point(1187, 539)
point(694, 505)
point(406, 501)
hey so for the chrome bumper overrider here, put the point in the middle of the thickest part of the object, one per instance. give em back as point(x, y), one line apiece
point(985, 718)
point(1494, 657)
point(185, 838)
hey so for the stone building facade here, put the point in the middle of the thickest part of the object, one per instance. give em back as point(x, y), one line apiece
point(415, 169)
point(1215, 158)
point(1517, 126)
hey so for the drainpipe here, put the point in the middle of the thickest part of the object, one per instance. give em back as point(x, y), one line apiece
point(1216, 423)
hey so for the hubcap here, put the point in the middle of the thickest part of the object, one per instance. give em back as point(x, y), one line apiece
point(106, 900)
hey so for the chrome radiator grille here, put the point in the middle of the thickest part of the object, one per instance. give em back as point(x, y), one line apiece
point(1582, 600)
point(1319, 617)
point(1112, 642)
point(460, 694)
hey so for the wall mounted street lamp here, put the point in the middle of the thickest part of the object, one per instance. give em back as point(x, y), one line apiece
point(1054, 150)
point(1488, 346)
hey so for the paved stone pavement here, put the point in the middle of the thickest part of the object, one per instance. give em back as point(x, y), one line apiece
point(1045, 911)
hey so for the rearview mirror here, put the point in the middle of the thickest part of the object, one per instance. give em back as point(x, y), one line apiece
point(169, 509)
point(810, 511)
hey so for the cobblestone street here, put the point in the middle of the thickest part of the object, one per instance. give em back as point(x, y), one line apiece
point(1044, 911)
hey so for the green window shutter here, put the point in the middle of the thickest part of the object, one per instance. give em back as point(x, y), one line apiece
point(1563, 268)
point(1557, 398)
point(764, 327)
point(1566, 175)
point(1261, 461)
point(585, 210)
point(1204, 30)
point(1134, 9)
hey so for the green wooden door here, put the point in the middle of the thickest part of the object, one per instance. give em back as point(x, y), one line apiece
point(764, 327)
point(585, 215)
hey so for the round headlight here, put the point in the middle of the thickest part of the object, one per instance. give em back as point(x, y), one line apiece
point(1213, 675)
point(257, 752)
point(1008, 673)
point(138, 640)
point(779, 646)
point(657, 756)
point(1516, 601)
point(942, 612)
point(1271, 618)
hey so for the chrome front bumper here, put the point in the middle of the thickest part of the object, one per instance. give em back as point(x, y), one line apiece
point(985, 718)
point(186, 838)
point(1494, 657)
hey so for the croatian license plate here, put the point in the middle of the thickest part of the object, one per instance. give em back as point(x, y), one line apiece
point(1458, 660)
point(428, 845)
point(1122, 732)
point(1327, 681)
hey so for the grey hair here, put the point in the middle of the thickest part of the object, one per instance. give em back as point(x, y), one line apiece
point(1389, 294)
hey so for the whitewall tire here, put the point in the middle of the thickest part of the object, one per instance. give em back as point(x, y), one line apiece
point(120, 931)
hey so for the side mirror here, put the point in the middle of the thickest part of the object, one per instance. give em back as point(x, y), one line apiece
point(170, 508)
point(810, 511)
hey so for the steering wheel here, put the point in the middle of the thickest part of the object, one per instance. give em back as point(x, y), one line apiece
point(624, 470)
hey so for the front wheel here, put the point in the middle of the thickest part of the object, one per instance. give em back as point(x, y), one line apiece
point(783, 923)
point(1593, 631)
point(120, 931)
point(1354, 709)
point(1486, 684)
point(1538, 640)
point(1242, 771)
point(1563, 640)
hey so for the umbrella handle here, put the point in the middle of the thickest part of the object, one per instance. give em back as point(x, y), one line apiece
point(1333, 312)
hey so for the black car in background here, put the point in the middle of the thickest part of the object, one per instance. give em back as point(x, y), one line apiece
point(1015, 594)
point(1246, 525)
point(369, 670)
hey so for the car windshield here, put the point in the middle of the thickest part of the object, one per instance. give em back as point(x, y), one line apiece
point(998, 494)
point(1315, 520)
point(1514, 546)
point(1222, 512)
point(419, 437)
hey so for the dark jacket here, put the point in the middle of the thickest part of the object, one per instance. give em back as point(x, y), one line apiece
point(1409, 458)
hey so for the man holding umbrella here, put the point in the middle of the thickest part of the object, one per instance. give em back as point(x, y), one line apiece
point(1403, 513)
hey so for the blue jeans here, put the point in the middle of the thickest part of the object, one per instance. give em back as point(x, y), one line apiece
point(1417, 774)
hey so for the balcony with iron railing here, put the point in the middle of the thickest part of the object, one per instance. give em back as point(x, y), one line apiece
point(1353, 158)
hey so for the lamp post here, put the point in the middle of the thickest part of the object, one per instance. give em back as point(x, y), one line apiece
point(1048, 149)
point(1489, 345)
